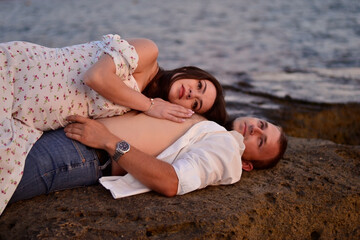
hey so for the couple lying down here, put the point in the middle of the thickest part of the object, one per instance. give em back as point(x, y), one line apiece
point(42, 87)
point(167, 157)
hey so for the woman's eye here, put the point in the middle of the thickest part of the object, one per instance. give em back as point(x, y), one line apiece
point(262, 125)
point(194, 106)
point(199, 85)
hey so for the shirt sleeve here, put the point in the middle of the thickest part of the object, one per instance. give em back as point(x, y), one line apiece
point(124, 55)
point(214, 160)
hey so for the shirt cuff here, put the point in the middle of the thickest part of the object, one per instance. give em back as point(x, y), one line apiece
point(189, 179)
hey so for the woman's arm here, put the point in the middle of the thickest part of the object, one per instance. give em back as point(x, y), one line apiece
point(102, 78)
point(153, 173)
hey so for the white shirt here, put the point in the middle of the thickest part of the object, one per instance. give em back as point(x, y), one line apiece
point(205, 155)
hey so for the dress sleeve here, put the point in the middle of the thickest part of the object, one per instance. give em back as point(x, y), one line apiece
point(214, 160)
point(124, 55)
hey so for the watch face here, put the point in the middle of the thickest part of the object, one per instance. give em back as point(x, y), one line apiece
point(123, 146)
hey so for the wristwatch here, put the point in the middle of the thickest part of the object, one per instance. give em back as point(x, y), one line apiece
point(122, 147)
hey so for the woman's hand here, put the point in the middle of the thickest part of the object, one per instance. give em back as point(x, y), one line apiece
point(166, 110)
point(89, 132)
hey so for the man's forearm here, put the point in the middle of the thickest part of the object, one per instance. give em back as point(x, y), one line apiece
point(157, 175)
point(153, 173)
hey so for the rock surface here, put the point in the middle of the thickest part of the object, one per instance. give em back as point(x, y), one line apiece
point(314, 193)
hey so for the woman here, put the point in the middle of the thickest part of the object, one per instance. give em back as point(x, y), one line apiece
point(42, 86)
point(37, 76)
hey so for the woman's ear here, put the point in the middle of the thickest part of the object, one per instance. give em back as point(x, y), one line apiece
point(247, 165)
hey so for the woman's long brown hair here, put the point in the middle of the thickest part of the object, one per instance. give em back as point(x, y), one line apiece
point(161, 84)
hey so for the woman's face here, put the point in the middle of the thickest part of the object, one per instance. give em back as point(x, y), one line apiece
point(197, 95)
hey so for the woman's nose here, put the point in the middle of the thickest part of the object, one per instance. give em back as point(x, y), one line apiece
point(193, 94)
point(189, 95)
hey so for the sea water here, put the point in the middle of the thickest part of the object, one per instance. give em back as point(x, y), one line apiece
point(276, 59)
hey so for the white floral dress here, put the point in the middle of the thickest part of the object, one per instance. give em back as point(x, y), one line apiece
point(41, 86)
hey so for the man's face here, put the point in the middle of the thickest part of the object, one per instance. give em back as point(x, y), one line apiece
point(261, 138)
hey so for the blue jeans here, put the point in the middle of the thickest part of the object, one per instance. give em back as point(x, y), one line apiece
point(55, 163)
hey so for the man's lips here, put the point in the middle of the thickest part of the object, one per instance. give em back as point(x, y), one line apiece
point(182, 91)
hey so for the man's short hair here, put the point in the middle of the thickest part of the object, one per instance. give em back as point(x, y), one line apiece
point(264, 164)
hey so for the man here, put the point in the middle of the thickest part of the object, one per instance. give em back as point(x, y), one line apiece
point(167, 157)
point(265, 143)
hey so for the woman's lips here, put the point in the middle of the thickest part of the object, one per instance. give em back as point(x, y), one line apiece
point(182, 91)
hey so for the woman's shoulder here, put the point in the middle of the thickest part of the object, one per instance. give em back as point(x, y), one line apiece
point(147, 67)
point(146, 49)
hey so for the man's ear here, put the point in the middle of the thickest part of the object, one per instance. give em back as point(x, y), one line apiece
point(247, 165)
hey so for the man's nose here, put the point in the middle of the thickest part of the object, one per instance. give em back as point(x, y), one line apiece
point(256, 130)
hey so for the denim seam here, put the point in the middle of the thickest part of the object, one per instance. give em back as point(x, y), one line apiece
point(96, 162)
point(79, 151)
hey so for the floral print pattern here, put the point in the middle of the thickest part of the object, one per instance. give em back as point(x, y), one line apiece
point(41, 86)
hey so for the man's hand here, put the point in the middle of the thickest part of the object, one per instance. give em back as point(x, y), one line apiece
point(170, 111)
point(90, 133)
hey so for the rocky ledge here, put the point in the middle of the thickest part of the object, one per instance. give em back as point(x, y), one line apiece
point(314, 193)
